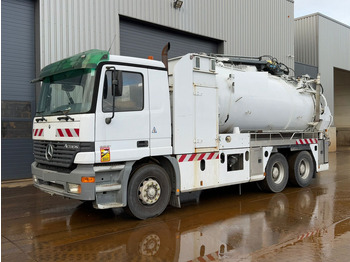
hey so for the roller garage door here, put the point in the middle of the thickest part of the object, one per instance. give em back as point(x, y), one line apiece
point(142, 40)
point(17, 94)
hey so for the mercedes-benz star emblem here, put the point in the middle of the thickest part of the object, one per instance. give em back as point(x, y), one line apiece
point(49, 152)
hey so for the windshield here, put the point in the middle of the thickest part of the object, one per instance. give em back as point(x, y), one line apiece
point(67, 93)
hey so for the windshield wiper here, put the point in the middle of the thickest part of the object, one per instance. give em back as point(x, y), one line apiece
point(65, 112)
point(42, 117)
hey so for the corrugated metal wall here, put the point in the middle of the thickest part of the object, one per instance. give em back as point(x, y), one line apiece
point(247, 27)
point(306, 40)
point(323, 42)
point(334, 51)
point(68, 27)
point(17, 94)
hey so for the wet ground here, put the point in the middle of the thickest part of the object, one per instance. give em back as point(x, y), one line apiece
point(300, 224)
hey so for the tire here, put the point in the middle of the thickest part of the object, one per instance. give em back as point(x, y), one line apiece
point(302, 168)
point(149, 191)
point(276, 174)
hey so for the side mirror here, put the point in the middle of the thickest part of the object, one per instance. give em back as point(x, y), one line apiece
point(117, 83)
point(117, 90)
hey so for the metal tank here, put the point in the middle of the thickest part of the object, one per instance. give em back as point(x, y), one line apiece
point(253, 100)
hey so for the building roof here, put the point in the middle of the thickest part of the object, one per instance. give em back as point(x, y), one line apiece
point(324, 16)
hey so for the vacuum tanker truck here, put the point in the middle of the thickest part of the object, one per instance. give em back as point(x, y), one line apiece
point(137, 133)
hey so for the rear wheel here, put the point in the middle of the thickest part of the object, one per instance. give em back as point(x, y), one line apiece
point(276, 174)
point(302, 168)
point(149, 191)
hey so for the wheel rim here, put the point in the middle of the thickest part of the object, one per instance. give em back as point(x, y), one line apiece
point(277, 173)
point(149, 246)
point(149, 191)
point(304, 169)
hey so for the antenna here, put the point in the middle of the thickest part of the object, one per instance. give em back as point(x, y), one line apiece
point(112, 42)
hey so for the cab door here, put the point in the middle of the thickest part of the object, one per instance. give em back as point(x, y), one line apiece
point(127, 135)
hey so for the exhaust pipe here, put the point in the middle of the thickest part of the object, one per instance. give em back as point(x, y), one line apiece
point(165, 51)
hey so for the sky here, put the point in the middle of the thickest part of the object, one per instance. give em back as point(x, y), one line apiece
point(336, 9)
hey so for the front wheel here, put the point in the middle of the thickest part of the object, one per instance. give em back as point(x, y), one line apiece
point(276, 174)
point(149, 191)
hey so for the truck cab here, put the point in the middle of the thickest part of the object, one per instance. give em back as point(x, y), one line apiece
point(96, 117)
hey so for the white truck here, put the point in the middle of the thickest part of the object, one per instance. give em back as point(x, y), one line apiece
point(136, 133)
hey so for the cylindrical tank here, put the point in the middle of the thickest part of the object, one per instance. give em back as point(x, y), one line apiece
point(255, 101)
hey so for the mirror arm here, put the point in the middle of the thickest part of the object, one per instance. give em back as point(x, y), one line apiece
point(108, 120)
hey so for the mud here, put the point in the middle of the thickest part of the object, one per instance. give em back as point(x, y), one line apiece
point(300, 224)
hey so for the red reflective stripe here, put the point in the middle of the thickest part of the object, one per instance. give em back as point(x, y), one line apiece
point(69, 134)
point(211, 155)
point(60, 133)
point(182, 158)
point(201, 157)
point(201, 259)
point(41, 132)
point(217, 157)
point(211, 258)
point(36, 131)
point(77, 131)
point(192, 157)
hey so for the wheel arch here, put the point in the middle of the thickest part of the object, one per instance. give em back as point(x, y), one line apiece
point(168, 163)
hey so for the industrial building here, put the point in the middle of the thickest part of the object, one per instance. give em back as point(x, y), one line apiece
point(322, 45)
point(36, 33)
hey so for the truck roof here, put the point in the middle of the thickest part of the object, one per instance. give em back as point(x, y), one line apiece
point(91, 59)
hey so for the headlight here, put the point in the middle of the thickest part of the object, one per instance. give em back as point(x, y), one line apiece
point(74, 188)
point(35, 179)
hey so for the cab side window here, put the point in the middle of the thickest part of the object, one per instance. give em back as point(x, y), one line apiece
point(132, 95)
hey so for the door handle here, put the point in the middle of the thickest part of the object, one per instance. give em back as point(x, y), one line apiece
point(142, 143)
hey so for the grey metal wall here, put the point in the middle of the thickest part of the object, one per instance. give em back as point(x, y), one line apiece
point(334, 51)
point(325, 43)
point(247, 27)
point(154, 38)
point(17, 94)
point(306, 40)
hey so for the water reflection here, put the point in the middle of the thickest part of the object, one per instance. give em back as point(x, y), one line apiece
point(275, 221)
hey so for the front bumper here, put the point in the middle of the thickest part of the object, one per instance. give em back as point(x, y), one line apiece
point(56, 183)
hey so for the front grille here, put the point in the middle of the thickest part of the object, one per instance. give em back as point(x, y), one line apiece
point(63, 152)
point(57, 168)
